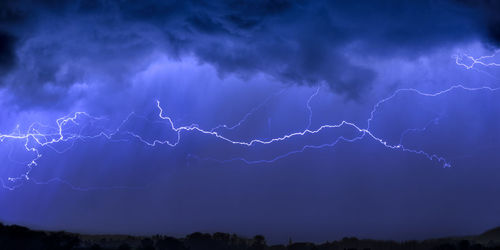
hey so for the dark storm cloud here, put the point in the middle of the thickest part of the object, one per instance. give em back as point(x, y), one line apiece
point(297, 42)
point(491, 17)
point(7, 52)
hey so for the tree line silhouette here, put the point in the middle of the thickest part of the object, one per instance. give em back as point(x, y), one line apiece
point(14, 237)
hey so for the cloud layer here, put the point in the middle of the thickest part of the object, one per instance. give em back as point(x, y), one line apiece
point(48, 47)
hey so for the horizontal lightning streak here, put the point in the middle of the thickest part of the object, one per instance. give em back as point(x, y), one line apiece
point(476, 61)
point(40, 139)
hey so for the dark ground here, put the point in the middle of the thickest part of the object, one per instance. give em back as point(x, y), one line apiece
point(14, 237)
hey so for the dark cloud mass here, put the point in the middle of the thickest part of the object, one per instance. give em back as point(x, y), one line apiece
point(7, 53)
point(491, 15)
point(296, 42)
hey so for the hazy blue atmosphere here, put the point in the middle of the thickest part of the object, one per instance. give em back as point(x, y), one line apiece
point(313, 120)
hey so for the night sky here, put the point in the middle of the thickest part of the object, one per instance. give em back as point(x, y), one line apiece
point(313, 120)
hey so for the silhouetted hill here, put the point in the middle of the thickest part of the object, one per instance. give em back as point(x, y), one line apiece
point(490, 237)
point(492, 234)
point(20, 238)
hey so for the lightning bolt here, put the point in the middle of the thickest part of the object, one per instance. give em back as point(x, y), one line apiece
point(247, 115)
point(483, 60)
point(34, 138)
point(308, 105)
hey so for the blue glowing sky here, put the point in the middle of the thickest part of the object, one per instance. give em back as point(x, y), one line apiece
point(313, 120)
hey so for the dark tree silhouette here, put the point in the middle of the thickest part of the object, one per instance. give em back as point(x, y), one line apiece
point(22, 238)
